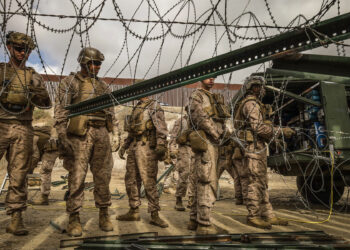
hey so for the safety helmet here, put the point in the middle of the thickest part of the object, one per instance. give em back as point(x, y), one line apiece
point(253, 80)
point(20, 39)
point(90, 54)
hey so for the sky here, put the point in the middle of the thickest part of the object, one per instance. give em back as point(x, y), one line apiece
point(129, 55)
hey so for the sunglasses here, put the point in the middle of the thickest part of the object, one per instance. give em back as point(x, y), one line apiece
point(21, 49)
point(95, 63)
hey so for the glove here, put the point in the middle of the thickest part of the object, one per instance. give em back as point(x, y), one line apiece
point(160, 151)
point(173, 155)
point(288, 132)
point(65, 146)
point(121, 153)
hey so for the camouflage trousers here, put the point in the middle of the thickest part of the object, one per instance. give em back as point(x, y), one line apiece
point(205, 183)
point(92, 149)
point(142, 167)
point(17, 141)
point(226, 163)
point(183, 166)
point(258, 203)
point(47, 163)
point(243, 179)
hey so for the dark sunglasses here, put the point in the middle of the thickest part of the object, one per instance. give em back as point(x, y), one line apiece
point(96, 63)
point(21, 49)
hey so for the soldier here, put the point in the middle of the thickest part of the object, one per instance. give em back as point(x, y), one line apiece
point(207, 115)
point(21, 89)
point(85, 139)
point(146, 144)
point(48, 154)
point(255, 130)
point(180, 149)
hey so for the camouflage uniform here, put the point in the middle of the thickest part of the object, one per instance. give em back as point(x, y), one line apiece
point(24, 89)
point(204, 117)
point(184, 155)
point(255, 133)
point(115, 137)
point(146, 130)
point(89, 135)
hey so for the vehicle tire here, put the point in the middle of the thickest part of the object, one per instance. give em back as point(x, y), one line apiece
point(311, 188)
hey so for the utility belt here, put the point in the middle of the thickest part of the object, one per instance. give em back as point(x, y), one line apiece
point(13, 107)
point(96, 123)
point(18, 122)
point(147, 136)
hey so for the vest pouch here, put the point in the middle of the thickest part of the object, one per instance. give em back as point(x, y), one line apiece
point(16, 89)
point(237, 154)
point(78, 125)
point(152, 138)
point(109, 123)
point(210, 111)
point(149, 125)
point(183, 137)
point(198, 141)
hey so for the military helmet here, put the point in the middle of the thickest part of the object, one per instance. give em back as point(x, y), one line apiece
point(90, 54)
point(20, 39)
point(254, 80)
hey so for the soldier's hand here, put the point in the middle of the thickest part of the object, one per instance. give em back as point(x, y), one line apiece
point(173, 155)
point(160, 151)
point(288, 132)
point(121, 153)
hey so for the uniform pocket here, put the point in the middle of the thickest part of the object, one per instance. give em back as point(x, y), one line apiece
point(204, 169)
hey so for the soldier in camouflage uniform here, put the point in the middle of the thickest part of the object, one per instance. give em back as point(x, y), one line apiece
point(115, 137)
point(207, 116)
point(146, 144)
point(48, 153)
point(181, 150)
point(21, 89)
point(84, 139)
point(255, 130)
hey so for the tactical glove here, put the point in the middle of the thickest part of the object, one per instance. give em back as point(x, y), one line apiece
point(288, 132)
point(160, 151)
point(121, 153)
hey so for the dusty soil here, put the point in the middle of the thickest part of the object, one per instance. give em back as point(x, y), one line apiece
point(226, 215)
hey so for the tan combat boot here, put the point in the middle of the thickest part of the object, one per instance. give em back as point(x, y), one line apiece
point(206, 229)
point(74, 226)
point(155, 220)
point(192, 225)
point(179, 206)
point(43, 199)
point(259, 223)
point(190, 201)
point(132, 215)
point(16, 226)
point(104, 221)
point(277, 221)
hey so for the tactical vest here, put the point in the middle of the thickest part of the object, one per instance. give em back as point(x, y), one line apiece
point(182, 136)
point(140, 120)
point(241, 124)
point(89, 88)
point(14, 83)
point(215, 108)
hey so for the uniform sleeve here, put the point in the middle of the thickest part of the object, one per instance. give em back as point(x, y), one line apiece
point(200, 119)
point(173, 135)
point(64, 96)
point(40, 95)
point(158, 119)
point(252, 112)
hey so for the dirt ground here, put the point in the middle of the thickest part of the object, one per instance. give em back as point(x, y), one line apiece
point(226, 215)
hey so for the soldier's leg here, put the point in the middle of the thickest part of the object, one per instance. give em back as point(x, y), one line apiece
point(19, 158)
point(243, 174)
point(82, 147)
point(183, 167)
point(132, 180)
point(147, 163)
point(48, 162)
point(101, 165)
point(254, 195)
point(237, 184)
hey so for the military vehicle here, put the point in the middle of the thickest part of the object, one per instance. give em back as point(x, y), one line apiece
point(311, 93)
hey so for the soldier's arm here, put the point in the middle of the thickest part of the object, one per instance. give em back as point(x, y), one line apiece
point(173, 135)
point(200, 119)
point(38, 89)
point(127, 141)
point(158, 119)
point(253, 114)
point(63, 98)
